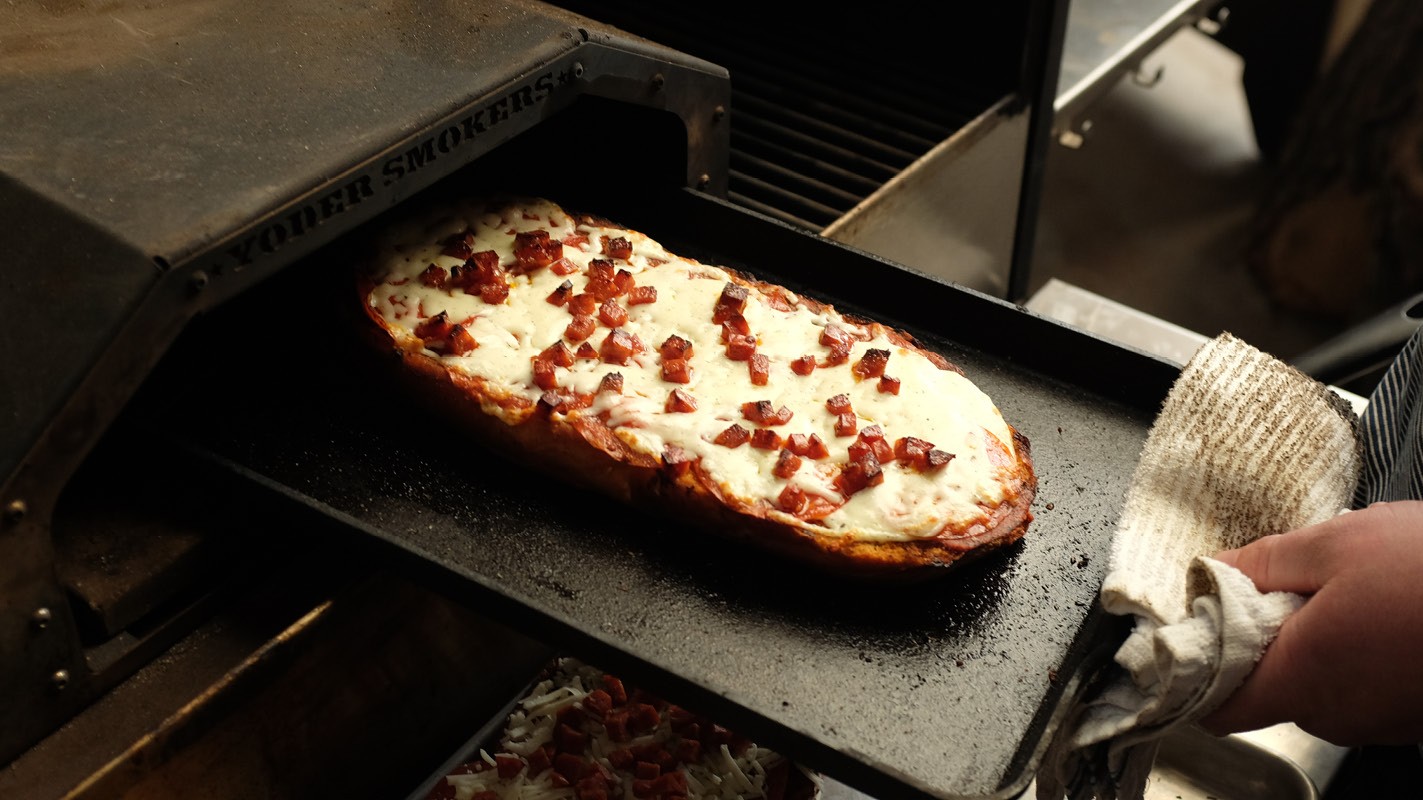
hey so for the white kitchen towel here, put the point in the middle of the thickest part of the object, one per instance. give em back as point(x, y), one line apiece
point(1244, 446)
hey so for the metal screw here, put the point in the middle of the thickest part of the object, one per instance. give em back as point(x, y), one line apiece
point(15, 511)
point(59, 680)
point(198, 282)
point(703, 181)
point(718, 113)
point(657, 82)
point(41, 618)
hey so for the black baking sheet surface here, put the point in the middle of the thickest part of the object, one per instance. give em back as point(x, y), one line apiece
point(944, 689)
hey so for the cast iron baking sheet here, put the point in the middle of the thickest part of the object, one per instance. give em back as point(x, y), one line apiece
point(943, 689)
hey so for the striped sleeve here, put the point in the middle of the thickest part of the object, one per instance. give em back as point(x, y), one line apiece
point(1391, 431)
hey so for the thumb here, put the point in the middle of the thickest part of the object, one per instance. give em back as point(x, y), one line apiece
point(1285, 562)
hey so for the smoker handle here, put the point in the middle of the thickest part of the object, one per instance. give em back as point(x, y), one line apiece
point(1357, 358)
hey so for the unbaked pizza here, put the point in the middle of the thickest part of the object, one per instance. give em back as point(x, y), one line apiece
point(582, 734)
point(587, 350)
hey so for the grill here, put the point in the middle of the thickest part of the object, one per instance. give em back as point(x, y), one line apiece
point(184, 508)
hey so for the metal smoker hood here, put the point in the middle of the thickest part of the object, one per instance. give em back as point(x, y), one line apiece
point(155, 161)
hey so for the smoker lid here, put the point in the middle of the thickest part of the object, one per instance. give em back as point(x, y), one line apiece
point(140, 137)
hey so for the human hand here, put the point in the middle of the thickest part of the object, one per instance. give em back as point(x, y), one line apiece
point(1348, 666)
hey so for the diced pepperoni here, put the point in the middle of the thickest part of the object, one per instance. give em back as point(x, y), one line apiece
point(615, 689)
point(689, 751)
point(558, 354)
point(803, 365)
point(459, 245)
point(600, 269)
point(622, 758)
point(762, 412)
point(560, 295)
point(792, 500)
point(740, 347)
point(533, 249)
point(643, 717)
point(539, 761)
point(760, 367)
point(460, 341)
point(676, 370)
point(612, 382)
point(619, 346)
point(834, 334)
point(612, 314)
point(872, 363)
point(889, 385)
point(587, 351)
point(642, 295)
point(569, 739)
point(545, 374)
point(557, 781)
point(617, 247)
point(434, 329)
point(811, 446)
point(572, 716)
point(733, 437)
point(598, 702)
point(845, 424)
point(602, 282)
point(495, 292)
point(625, 281)
point(839, 354)
point(508, 765)
point(675, 347)
point(839, 404)
point(580, 328)
point(765, 439)
point(576, 239)
point(859, 474)
point(434, 276)
point(642, 789)
point(593, 787)
point(479, 269)
point(680, 402)
point(563, 267)
point(646, 770)
point(912, 451)
point(732, 301)
point(718, 735)
point(583, 304)
point(671, 783)
point(786, 464)
point(569, 766)
point(734, 325)
point(615, 724)
point(937, 459)
point(871, 440)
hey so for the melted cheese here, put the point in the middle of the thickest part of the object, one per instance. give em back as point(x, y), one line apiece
point(940, 406)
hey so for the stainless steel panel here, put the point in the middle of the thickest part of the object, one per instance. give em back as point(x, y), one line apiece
point(952, 214)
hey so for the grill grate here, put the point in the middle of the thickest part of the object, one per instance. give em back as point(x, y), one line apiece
point(825, 111)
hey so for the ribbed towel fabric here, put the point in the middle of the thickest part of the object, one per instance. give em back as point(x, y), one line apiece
point(1244, 446)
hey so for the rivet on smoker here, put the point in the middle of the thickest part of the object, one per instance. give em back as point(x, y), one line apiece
point(577, 70)
point(15, 511)
point(199, 281)
point(657, 82)
point(718, 113)
point(41, 618)
point(703, 180)
point(59, 680)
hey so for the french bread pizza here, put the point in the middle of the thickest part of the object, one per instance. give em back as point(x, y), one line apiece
point(586, 350)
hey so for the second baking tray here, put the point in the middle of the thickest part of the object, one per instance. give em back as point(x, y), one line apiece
point(945, 689)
